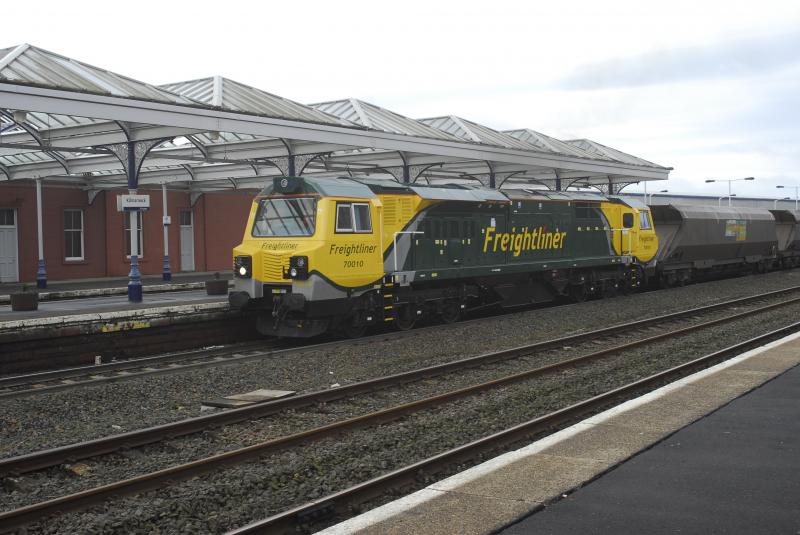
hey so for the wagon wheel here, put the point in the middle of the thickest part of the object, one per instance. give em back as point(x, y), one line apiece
point(404, 318)
point(451, 312)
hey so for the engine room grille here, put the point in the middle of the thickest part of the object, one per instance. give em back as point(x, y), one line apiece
point(274, 265)
point(406, 208)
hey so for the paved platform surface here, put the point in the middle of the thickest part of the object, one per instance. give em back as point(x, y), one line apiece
point(110, 282)
point(99, 305)
point(735, 471)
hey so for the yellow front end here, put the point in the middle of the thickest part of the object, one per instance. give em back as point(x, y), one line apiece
point(342, 259)
point(639, 239)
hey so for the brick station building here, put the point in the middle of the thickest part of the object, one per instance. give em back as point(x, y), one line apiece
point(84, 239)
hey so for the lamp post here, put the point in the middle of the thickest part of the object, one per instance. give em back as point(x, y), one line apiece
point(776, 201)
point(796, 194)
point(719, 201)
point(728, 180)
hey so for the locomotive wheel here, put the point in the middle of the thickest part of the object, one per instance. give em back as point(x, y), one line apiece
point(405, 318)
point(353, 327)
point(578, 293)
point(451, 313)
point(609, 289)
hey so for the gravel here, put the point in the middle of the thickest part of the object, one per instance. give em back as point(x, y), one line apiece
point(51, 419)
point(235, 496)
point(59, 481)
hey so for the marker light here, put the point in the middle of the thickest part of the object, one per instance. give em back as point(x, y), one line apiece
point(298, 268)
point(243, 267)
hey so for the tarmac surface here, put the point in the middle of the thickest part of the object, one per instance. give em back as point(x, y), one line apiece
point(735, 471)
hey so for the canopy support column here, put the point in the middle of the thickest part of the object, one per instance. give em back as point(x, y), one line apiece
point(167, 272)
point(135, 276)
point(41, 273)
point(132, 154)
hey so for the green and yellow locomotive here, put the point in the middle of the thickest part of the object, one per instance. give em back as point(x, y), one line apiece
point(323, 254)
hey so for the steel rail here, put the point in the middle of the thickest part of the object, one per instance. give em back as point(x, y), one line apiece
point(154, 480)
point(147, 362)
point(342, 502)
point(127, 364)
point(72, 452)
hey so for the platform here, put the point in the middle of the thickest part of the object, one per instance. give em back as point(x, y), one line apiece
point(110, 304)
point(654, 464)
point(109, 286)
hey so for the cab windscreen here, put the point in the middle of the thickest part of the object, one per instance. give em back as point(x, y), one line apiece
point(285, 217)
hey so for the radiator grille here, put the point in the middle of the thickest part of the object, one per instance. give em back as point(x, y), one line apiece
point(274, 265)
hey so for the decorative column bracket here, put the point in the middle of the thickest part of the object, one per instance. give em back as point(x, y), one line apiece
point(132, 155)
point(408, 174)
point(92, 194)
point(289, 165)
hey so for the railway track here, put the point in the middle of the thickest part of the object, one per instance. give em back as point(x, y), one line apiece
point(342, 504)
point(101, 446)
point(176, 362)
point(160, 478)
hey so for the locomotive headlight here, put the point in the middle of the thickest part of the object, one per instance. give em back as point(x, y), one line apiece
point(243, 267)
point(298, 267)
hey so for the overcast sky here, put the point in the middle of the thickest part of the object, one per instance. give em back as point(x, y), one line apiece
point(709, 88)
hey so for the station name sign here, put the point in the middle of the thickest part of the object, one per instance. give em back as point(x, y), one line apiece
point(133, 202)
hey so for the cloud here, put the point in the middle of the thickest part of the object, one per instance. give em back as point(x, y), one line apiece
point(735, 58)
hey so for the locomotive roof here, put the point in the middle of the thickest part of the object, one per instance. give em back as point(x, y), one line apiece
point(368, 188)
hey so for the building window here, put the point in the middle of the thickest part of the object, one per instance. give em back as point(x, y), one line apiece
point(7, 217)
point(127, 219)
point(185, 218)
point(73, 234)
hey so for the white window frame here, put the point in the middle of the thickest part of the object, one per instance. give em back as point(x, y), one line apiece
point(83, 241)
point(126, 228)
point(352, 209)
point(646, 215)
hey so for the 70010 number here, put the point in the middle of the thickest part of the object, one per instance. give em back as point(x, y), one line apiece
point(353, 263)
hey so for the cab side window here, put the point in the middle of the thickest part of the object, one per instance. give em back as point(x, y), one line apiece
point(353, 217)
point(644, 220)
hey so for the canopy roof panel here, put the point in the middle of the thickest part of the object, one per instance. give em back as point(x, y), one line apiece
point(371, 116)
point(229, 94)
point(26, 64)
point(65, 120)
point(609, 153)
point(550, 144)
point(475, 132)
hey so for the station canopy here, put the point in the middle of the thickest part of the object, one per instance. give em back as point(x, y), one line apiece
point(66, 121)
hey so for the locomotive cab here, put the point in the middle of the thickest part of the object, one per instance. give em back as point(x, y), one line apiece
point(634, 233)
point(307, 245)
